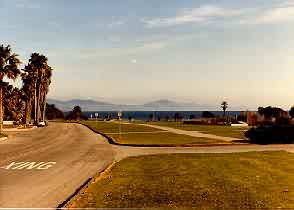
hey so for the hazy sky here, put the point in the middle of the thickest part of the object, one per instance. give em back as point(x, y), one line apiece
point(133, 51)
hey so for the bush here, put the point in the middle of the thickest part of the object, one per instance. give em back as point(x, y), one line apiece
point(275, 134)
point(53, 113)
point(76, 114)
point(207, 114)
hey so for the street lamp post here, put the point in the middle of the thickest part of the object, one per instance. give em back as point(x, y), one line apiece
point(96, 116)
point(119, 114)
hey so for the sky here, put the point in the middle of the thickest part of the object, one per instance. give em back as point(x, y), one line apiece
point(136, 51)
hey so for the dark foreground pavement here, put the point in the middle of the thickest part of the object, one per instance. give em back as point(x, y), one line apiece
point(43, 167)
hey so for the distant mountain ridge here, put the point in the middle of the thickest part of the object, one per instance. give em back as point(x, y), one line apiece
point(158, 105)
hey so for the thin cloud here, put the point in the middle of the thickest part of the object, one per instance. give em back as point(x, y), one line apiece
point(279, 14)
point(275, 13)
point(197, 15)
point(27, 4)
point(116, 23)
point(153, 44)
point(86, 53)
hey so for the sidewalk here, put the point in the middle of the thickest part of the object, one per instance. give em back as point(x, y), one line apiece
point(18, 129)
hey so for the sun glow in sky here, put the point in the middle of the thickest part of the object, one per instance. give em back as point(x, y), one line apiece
point(134, 51)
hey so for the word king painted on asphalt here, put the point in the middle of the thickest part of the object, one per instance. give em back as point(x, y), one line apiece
point(29, 165)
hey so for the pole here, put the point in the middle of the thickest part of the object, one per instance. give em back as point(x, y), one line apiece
point(35, 114)
point(119, 129)
point(1, 109)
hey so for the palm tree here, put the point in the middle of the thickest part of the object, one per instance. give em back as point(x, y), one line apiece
point(39, 65)
point(9, 63)
point(13, 104)
point(45, 89)
point(224, 106)
point(291, 112)
point(29, 78)
point(7, 91)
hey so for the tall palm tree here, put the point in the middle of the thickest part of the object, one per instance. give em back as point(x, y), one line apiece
point(45, 89)
point(39, 65)
point(224, 106)
point(9, 63)
point(29, 78)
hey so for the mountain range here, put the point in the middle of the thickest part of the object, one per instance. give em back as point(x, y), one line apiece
point(159, 105)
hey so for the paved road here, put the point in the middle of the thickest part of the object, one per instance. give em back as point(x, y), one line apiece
point(79, 154)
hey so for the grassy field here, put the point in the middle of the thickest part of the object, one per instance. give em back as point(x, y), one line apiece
point(114, 127)
point(255, 180)
point(127, 137)
point(161, 138)
point(236, 132)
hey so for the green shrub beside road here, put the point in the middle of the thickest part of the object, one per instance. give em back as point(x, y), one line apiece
point(255, 180)
point(275, 134)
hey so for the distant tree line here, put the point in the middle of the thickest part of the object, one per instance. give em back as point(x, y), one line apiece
point(269, 111)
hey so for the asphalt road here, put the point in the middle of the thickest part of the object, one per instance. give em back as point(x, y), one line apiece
point(65, 156)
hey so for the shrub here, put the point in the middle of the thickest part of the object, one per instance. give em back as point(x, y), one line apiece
point(207, 114)
point(275, 134)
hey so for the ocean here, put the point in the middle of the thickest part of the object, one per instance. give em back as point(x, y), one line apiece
point(145, 115)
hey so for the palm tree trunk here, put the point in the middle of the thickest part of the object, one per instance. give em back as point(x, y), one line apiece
point(41, 104)
point(44, 106)
point(35, 106)
point(38, 104)
point(28, 111)
point(1, 108)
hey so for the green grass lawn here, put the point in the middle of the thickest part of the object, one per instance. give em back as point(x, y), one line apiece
point(112, 129)
point(255, 180)
point(229, 131)
point(162, 138)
